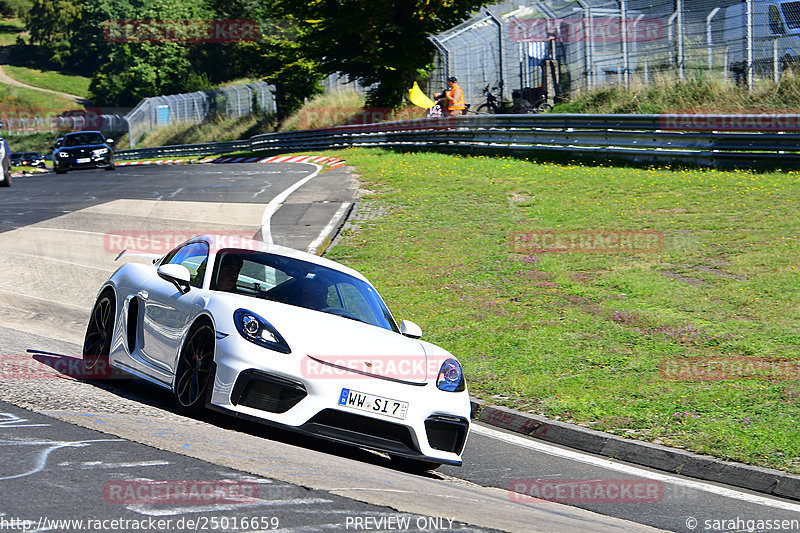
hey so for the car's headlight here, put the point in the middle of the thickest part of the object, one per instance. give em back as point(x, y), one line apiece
point(258, 331)
point(101, 151)
point(450, 378)
point(63, 154)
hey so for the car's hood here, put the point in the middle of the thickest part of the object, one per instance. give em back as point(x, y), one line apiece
point(334, 345)
point(85, 147)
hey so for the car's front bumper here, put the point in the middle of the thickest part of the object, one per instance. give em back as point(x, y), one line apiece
point(69, 163)
point(274, 388)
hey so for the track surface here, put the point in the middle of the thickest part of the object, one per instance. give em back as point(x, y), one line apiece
point(57, 235)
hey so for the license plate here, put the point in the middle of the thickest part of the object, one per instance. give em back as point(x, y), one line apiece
point(83, 159)
point(373, 404)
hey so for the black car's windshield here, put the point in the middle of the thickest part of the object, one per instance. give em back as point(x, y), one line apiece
point(82, 139)
point(300, 283)
point(32, 155)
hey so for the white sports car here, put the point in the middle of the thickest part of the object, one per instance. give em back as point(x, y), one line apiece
point(283, 337)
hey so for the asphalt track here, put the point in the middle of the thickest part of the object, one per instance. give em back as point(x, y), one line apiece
point(62, 236)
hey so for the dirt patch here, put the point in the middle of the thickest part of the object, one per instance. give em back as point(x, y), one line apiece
point(681, 278)
point(517, 198)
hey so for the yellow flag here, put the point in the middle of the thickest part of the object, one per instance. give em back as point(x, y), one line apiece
point(419, 99)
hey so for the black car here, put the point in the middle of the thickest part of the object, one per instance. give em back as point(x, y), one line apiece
point(32, 159)
point(5, 163)
point(16, 158)
point(82, 149)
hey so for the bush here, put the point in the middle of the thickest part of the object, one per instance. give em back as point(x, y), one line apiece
point(15, 8)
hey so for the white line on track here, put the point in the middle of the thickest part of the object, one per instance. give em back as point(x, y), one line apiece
point(275, 203)
point(312, 248)
point(160, 510)
point(632, 470)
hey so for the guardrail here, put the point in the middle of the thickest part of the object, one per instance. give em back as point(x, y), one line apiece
point(706, 140)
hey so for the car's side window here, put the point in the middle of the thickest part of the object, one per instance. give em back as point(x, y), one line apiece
point(193, 256)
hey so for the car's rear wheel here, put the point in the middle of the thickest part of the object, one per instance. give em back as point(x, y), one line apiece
point(194, 375)
point(111, 167)
point(60, 171)
point(97, 343)
point(7, 181)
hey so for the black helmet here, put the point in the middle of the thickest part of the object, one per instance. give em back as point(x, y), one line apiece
point(452, 78)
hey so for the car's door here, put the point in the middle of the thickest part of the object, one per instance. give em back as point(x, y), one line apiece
point(168, 311)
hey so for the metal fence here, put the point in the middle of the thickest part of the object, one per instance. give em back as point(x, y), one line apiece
point(234, 101)
point(585, 44)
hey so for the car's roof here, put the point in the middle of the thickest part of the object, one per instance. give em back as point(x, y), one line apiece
point(82, 132)
point(228, 242)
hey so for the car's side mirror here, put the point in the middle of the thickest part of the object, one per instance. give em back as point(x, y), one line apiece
point(177, 274)
point(409, 329)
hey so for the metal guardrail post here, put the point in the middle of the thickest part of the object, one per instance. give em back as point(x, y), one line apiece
point(709, 18)
point(749, 31)
point(499, 51)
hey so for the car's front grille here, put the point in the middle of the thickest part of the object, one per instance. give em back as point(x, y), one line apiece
point(362, 430)
point(266, 392)
point(446, 433)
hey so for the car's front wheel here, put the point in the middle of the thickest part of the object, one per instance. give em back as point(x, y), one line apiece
point(194, 376)
point(7, 181)
point(97, 343)
point(61, 171)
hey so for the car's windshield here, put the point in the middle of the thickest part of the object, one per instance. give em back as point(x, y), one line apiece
point(83, 139)
point(300, 283)
point(32, 154)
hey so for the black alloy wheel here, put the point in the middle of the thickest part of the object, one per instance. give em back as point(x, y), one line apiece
point(97, 343)
point(193, 377)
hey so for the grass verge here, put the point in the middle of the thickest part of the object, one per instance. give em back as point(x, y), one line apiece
point(32, 142)
point(583, 336)
point(19, 101)
point(218, 128)
point(52, 80)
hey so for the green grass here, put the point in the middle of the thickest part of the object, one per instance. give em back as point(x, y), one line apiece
point(48, 79)
point(219, 128)
point(340, 108)
point(18, 101)
point(580, 337)
point(10, 30)
point(33, 142)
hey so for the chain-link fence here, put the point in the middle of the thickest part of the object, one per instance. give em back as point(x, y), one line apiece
point(234, 101)
point(70, 121)
point(543, 47)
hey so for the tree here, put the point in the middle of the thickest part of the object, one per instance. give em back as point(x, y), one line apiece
point(275, 57)
point(140, 60)
point(382, 42)
point(53, 24)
